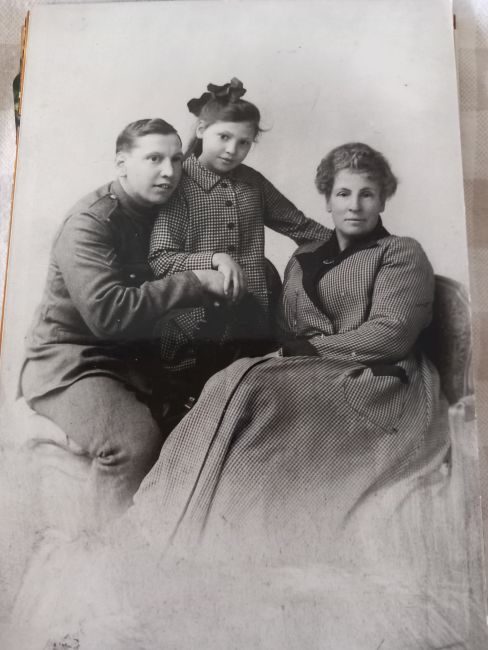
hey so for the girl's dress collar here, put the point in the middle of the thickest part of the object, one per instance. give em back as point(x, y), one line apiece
point(201, 175)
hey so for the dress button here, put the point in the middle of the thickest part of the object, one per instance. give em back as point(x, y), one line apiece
point(132, 276)
point(224, 185)
point(231, 225)
point(228, 203)
point(231, 248)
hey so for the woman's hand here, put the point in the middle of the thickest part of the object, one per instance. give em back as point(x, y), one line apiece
point(234, 279)
point(277, 354)
point(213, 282)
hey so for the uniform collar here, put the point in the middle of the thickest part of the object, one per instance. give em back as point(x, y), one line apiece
point(131, 207)
point(208, 179)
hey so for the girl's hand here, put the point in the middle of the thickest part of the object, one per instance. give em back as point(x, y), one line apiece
point(213, 282)
point(235, 285)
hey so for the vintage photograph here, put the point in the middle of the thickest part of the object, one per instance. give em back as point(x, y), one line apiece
point(236, 399)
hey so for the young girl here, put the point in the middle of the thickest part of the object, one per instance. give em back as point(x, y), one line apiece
point(216, 221)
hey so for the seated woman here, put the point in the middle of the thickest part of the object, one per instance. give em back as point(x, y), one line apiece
point(286, 449)
point(278, 456)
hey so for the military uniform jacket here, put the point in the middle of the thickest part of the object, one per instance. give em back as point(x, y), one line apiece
point(101, 306)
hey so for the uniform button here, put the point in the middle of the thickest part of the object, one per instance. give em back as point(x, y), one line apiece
point(112, 196)
point(224, 185)
point(231, 248)
point(231, 225)
point(132, 276)
point(228, 203)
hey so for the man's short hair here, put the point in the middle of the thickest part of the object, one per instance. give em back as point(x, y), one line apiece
point(126, 138)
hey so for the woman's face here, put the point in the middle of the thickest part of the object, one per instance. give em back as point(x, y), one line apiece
point(355, 204)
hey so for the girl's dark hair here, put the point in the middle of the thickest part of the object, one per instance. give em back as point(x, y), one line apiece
point(134, 130)
point(360, 158)
point(218, 110)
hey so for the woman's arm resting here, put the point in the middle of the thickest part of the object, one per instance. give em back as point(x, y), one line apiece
point(401, 307)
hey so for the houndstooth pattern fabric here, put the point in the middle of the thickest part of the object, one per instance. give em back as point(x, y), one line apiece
point(373, 305)
point(278, 451)
point(246, 472)
point(227, 214)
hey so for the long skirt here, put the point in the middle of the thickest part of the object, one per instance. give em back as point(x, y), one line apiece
point(279, 455)
point(242, 535)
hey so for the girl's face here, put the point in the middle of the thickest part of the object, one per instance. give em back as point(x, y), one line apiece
point(355, 204)
point(225, 144)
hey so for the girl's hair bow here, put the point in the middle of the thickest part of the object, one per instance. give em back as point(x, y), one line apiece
point(226, 94)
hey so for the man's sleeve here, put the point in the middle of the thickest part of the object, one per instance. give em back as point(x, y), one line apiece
point(94, 278)
point(166, 251)
point(283, 217)
point(401, 307)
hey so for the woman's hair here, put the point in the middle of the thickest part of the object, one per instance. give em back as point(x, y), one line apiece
point(222, 104)
point(134, 130)
point(360, 158)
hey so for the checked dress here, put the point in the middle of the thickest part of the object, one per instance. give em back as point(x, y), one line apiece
point(221, 214)
point(279, 453)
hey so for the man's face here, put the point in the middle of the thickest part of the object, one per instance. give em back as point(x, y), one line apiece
point(151, 170)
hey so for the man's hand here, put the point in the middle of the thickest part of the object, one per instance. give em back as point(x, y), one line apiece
point(213, 282)
point(234, 279)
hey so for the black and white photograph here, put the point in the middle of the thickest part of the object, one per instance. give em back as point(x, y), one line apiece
point(236, 395)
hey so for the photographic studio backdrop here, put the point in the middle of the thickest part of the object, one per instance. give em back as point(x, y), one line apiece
point(321, 73)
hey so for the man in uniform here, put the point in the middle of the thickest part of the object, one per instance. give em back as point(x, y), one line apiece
point(91, 361)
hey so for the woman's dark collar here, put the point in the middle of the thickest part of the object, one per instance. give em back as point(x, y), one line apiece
point(316, 263)
point(329, 250)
